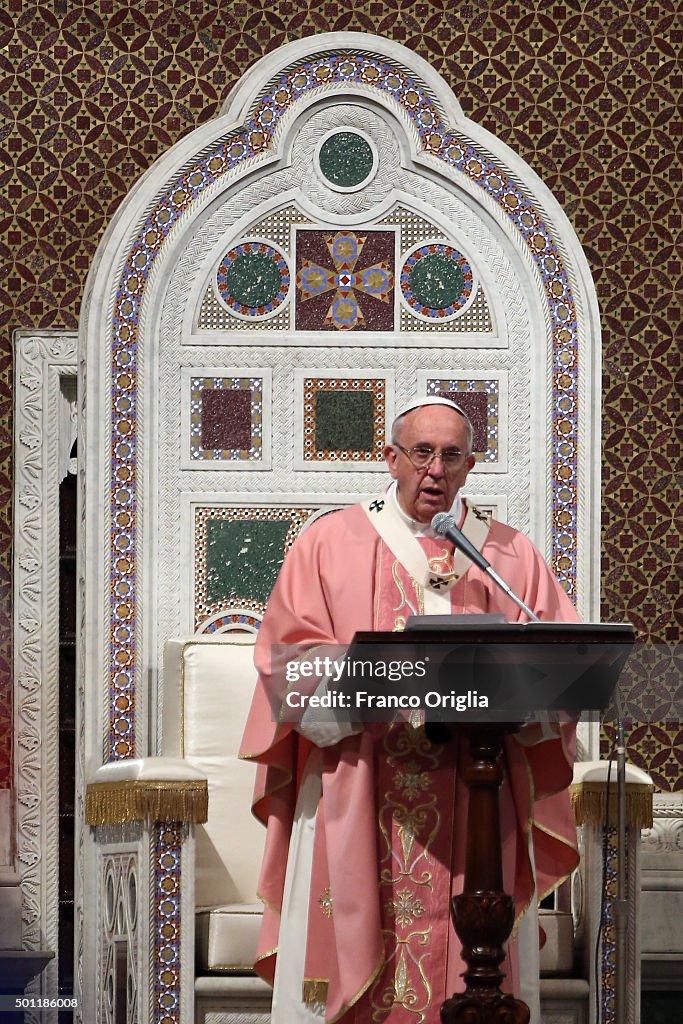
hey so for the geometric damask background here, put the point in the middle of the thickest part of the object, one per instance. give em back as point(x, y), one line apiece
point(586, 93)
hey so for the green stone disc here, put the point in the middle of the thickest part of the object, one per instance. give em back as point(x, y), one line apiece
point(437, 281)
point(253, 279)
point(345, 159)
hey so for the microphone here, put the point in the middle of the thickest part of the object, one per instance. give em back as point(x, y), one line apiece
point(445, 525)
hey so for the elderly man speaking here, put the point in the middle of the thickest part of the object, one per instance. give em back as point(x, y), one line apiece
point(366, 826)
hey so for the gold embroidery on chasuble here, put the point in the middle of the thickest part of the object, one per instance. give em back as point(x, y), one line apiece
point(442, 564)
point(415, 802)
point(406, 907)
point(408, 604)
point(325, 901)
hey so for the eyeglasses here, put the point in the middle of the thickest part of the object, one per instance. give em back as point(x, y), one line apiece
point(422, 457)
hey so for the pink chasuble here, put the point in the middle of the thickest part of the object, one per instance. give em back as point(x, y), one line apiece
point(390, 832)
point(421, 806)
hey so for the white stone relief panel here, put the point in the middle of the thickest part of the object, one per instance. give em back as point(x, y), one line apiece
point(380, 130)
point(44, 433)
point(285, 476)
point(118, 937)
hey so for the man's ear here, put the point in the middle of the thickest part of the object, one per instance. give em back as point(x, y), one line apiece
point(390, 457)
point(469, 463)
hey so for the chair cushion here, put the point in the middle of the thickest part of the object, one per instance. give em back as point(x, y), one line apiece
point(227, 936)
point(208, 687)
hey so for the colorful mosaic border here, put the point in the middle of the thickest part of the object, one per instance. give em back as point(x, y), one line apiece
point(168, 840)
point(237, 620)
point(322, 72)
point(608, 938)
point(258, 384)
point(495, 389)
point(308, 384)
point(205, 613)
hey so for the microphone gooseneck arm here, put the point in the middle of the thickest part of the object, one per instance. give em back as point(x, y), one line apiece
point(445, 525)
point(511, 594)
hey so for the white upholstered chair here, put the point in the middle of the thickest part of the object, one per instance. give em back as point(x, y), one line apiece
point(208, 686)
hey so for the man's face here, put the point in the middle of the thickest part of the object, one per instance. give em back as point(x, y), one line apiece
point(424, 492)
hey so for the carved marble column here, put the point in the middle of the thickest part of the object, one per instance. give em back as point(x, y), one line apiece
point(143, 813)
point(595, 807)
point(662, 895)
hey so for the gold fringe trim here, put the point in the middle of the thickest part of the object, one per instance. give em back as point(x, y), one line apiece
point(113, 803)
point(314, 993)
point(589, 803)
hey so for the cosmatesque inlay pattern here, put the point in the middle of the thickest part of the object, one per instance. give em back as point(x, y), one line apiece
point(92, 98)
point(309, 75)
point(238, 554)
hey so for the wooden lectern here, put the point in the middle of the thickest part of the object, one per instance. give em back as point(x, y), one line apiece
point(545, 667)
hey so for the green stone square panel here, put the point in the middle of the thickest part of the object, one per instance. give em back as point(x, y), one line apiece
point(344, 421)
point(243, 558)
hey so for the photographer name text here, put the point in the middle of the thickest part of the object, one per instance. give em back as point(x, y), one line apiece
point(360, 699)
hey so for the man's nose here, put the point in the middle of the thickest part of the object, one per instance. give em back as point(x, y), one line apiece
point(436, 467)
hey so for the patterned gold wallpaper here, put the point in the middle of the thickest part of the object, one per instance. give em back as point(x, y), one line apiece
point(588, 93)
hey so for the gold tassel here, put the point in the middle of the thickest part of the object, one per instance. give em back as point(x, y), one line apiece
point(589, 803)
point(113, 803)
point(314, 993)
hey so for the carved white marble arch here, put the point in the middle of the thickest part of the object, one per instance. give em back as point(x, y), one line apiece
point(105, 283)
point(136, 339)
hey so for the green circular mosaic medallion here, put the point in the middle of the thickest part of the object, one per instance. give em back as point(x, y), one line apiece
point(253, 279)
point(436, 281)
point(345, 159)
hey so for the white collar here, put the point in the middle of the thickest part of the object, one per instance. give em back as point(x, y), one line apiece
point(423, 529)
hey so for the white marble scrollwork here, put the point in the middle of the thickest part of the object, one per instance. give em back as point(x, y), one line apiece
point(44, 434)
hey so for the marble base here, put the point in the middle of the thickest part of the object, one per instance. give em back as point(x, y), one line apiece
point(234, 1000)
point(662, 973)
point(17, 968)
point(564, 1001)
point(227, 999)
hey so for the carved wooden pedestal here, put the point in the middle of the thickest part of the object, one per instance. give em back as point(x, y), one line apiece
point(484, 914)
